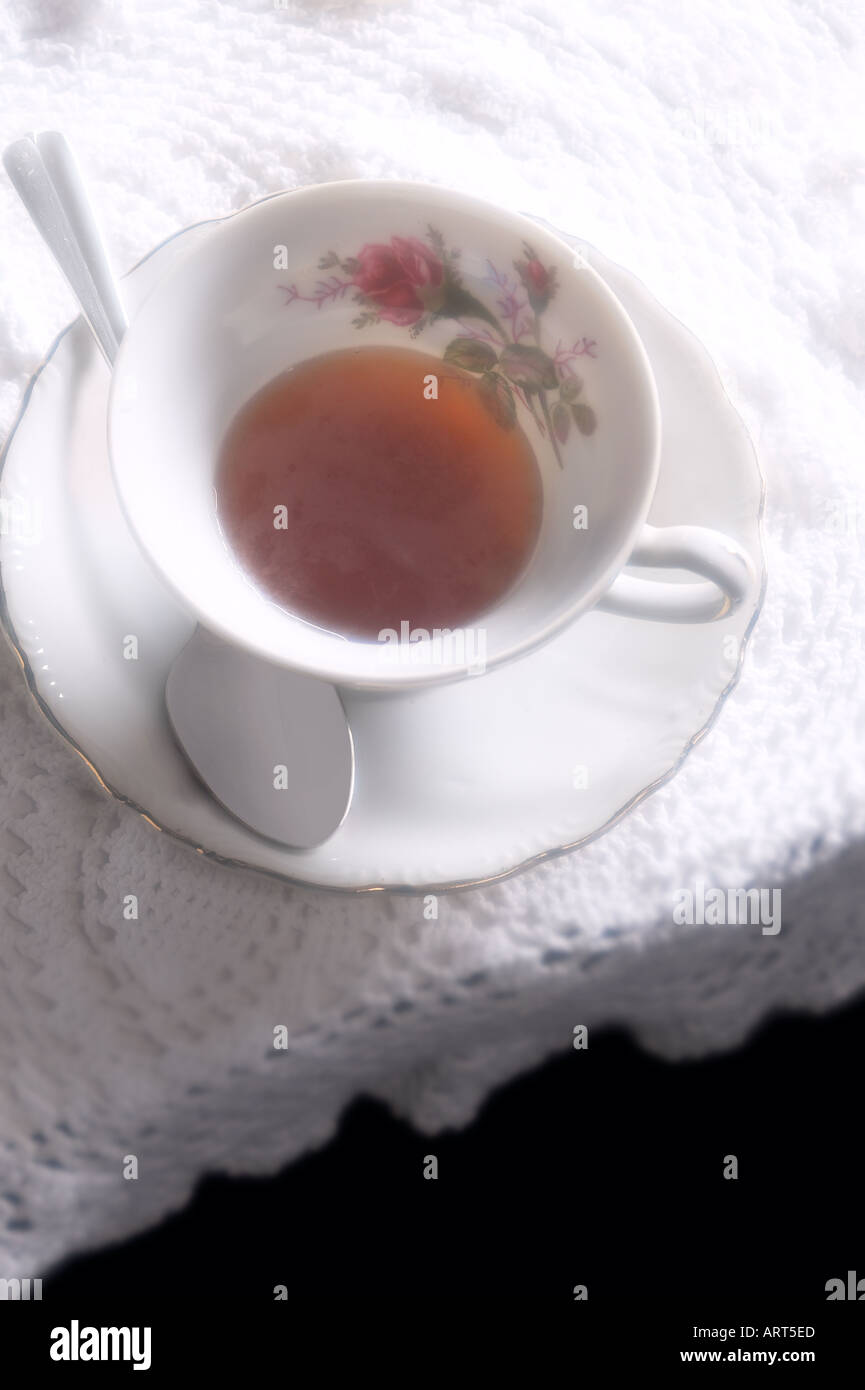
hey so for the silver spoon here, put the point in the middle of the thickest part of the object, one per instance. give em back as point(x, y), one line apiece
point(273, 747)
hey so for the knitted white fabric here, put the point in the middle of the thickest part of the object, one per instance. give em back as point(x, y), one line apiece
point(717, 152)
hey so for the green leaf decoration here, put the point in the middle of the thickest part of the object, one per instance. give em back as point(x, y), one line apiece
point(561, 421)
point(436, 241)
point(458, 303)
point(584, 417)
point(529, 367)
point(498, 398)
point(571, 388)
point(329, 260)
point(470, 354)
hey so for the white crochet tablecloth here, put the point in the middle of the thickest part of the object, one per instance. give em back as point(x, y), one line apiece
point(717, 151)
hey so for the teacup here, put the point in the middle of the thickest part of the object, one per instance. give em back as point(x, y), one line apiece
point(405, 264)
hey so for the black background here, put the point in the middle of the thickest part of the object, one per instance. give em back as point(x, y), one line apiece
point(603, 1167)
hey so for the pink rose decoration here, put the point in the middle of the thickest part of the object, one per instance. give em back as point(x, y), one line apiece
point(537, 277)
point(391, 276)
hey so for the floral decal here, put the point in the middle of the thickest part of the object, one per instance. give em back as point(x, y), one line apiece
point(412, 283)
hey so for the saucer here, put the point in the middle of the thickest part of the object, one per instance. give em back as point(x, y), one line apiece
point(456, 785)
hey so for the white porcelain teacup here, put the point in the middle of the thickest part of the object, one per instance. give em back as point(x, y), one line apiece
point(413, 265)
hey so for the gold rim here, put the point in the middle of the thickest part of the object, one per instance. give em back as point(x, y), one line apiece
point(408, 889)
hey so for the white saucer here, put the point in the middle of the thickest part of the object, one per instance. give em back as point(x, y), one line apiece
point(455, 785)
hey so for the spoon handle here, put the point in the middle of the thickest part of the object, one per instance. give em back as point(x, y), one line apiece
point(47, 179)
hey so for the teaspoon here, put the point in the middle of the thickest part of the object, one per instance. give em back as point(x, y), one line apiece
point(273, 747)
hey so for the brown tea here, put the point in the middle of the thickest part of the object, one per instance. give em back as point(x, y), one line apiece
point(360, 500)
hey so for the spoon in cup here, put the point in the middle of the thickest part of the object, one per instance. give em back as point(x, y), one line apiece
point(272, 746)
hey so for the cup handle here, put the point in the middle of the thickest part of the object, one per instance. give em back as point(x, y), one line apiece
point(728, 577)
